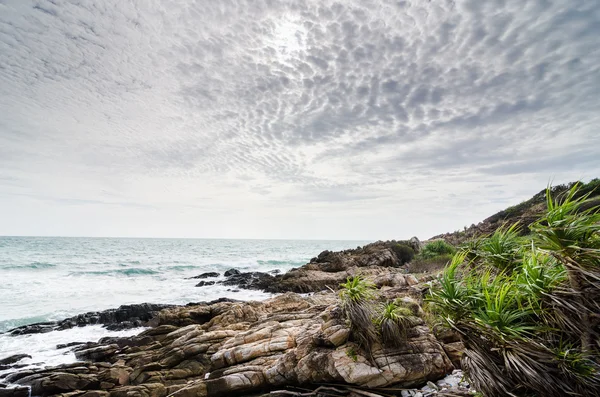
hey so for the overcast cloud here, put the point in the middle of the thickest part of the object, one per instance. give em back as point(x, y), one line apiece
point(290, 119)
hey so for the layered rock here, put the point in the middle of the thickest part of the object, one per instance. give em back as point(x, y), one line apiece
point(228, 348)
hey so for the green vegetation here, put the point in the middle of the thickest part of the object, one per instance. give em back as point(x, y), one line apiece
point(502, 249)
point(525, 213)
point(357, 295)
point(436, 248)
point(372, 322)
point(350, 352)
point(590, 189)
point(393, 321)
point(527, 308)
point(431, 265)
point(432, 257)
point(404, 253)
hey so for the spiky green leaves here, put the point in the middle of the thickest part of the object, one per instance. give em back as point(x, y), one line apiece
point(528, 310)
point(356, 290)
point(357, 296)
point(393, 322)
point(503, 248)
point(372, 322)
point(569, 232)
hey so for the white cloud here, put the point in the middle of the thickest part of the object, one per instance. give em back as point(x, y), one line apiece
point(311, 119)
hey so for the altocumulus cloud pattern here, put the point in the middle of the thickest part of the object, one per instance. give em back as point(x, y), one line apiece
point(238, 118)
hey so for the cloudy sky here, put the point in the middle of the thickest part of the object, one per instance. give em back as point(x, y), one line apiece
point(290, 119)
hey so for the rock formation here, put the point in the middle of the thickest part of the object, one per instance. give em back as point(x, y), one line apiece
point(124, 317)
point(380, 261)
point(233, 348)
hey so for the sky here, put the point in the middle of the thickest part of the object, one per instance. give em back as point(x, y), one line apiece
point(308, 119)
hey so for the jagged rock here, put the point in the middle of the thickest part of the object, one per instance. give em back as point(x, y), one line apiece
point(205, 275)
point(124, 317)
point(228, 348)
point(231, 272)
point(250, 280)
point(145, 390)
point(38, 328)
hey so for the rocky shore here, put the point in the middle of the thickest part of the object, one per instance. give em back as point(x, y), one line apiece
point(290, 344)
point(378, 261)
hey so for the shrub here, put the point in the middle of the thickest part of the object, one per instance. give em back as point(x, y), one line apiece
point(527, 309)
point(437, 248)
point(404, 253)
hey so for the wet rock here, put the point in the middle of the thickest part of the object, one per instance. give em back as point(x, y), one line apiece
point(124, 317)
point(70, 344)
point(14, 391)
point(38, 328)
point(14, 359)
point(205, 283)
point(250, 280)
point(231, 272)
point(205, 275)
point(59, 382)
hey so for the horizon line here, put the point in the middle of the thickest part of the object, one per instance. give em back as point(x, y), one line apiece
point(189, 238)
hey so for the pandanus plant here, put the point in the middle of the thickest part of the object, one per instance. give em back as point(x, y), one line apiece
point(528, 309)
point(357, 296)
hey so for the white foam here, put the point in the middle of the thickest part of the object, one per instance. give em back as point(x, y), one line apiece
point(42, 347)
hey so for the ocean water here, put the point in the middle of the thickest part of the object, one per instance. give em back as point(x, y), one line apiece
point(51, 278)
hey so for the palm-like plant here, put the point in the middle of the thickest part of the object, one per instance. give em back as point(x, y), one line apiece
point(572, 236)
point(357, 296)
point(393, 321)
point(528, 312)
point(503, 248)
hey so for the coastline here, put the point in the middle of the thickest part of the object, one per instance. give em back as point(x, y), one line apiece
point(224, 347)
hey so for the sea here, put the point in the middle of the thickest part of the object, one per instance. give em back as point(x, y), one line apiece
point(52, 278)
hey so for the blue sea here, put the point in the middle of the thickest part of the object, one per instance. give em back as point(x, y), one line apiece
point(51, 278)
